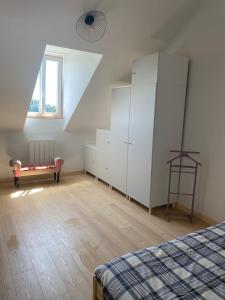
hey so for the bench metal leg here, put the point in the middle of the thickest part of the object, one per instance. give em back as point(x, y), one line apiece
point(16, 182)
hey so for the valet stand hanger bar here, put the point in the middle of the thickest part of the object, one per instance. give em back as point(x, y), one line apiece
point(189, 152)
point(176, 165)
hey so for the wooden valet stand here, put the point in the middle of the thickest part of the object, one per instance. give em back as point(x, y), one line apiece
point(178, 166)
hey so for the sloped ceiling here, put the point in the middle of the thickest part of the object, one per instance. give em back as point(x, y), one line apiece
point(134, 28)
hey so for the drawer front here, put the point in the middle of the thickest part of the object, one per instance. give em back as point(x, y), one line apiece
point(102, 140)
point(90, 160)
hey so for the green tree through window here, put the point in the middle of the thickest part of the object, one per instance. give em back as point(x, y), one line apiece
point(46, 99)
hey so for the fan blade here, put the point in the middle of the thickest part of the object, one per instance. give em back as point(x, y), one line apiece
point(105, 5)
point(89, 5)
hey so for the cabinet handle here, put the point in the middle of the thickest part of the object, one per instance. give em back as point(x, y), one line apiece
point(128, 143)
point(125, 141)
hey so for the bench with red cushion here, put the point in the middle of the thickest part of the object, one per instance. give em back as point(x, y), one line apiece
point(20, 170)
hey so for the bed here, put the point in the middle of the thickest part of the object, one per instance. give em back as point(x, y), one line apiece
point(190, 267)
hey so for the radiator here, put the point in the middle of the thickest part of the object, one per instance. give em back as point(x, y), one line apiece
point(41, 151)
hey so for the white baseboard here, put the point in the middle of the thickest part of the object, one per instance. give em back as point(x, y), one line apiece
point(199, 215)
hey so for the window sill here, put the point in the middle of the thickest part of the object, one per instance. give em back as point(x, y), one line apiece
point(49, 117)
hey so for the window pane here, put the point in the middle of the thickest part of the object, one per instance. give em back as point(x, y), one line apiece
point(36, 98)
point(51, 86)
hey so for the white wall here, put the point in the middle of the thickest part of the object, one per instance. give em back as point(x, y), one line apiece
point(203, 40)
point(79, 67)
point(205, 131)
point(69, 145)
point(27, 26)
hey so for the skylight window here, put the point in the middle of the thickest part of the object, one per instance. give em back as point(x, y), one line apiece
point(47, 96)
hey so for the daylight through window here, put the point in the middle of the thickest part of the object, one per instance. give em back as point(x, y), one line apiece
point(47, 96)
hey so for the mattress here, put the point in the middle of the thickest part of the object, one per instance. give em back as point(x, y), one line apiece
point(190, 267)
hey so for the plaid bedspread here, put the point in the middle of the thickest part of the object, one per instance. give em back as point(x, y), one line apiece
point(190, 267)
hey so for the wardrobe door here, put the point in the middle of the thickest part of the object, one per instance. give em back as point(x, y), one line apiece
point(102, 166)
point(145, 70)
point(118, 163)
point(119, 137)
point(142, 111)
point(120, 111)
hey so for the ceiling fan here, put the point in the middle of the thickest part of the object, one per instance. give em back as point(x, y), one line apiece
point(91, 26)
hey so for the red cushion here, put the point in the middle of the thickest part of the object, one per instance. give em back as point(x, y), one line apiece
point(36, 167)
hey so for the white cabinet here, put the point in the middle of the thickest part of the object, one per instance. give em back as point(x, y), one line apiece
point(102, 155)
point(120, 119)
point(156, 124)
point(90, 159)
point(146, 123)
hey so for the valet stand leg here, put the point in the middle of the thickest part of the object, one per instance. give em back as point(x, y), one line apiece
point(168, 199)
point(193, 196)
point(179, 180)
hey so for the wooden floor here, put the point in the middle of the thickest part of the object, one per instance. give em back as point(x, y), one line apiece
point(53, 236)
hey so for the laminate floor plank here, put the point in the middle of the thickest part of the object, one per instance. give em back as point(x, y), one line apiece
point(7, 288)
point(27, 286)
point(52, 236)
point(48, 276)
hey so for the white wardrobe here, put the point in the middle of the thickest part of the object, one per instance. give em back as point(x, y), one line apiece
point(146, 122)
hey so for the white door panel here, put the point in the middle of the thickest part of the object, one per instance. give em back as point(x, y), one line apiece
point(120, 111)
point(141, 138)
point(102, 165)
point(120, 116)
point(167, 136)
point(118, 163)
point(145, 70)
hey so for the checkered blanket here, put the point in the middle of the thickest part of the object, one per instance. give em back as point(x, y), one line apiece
point(190, 267)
